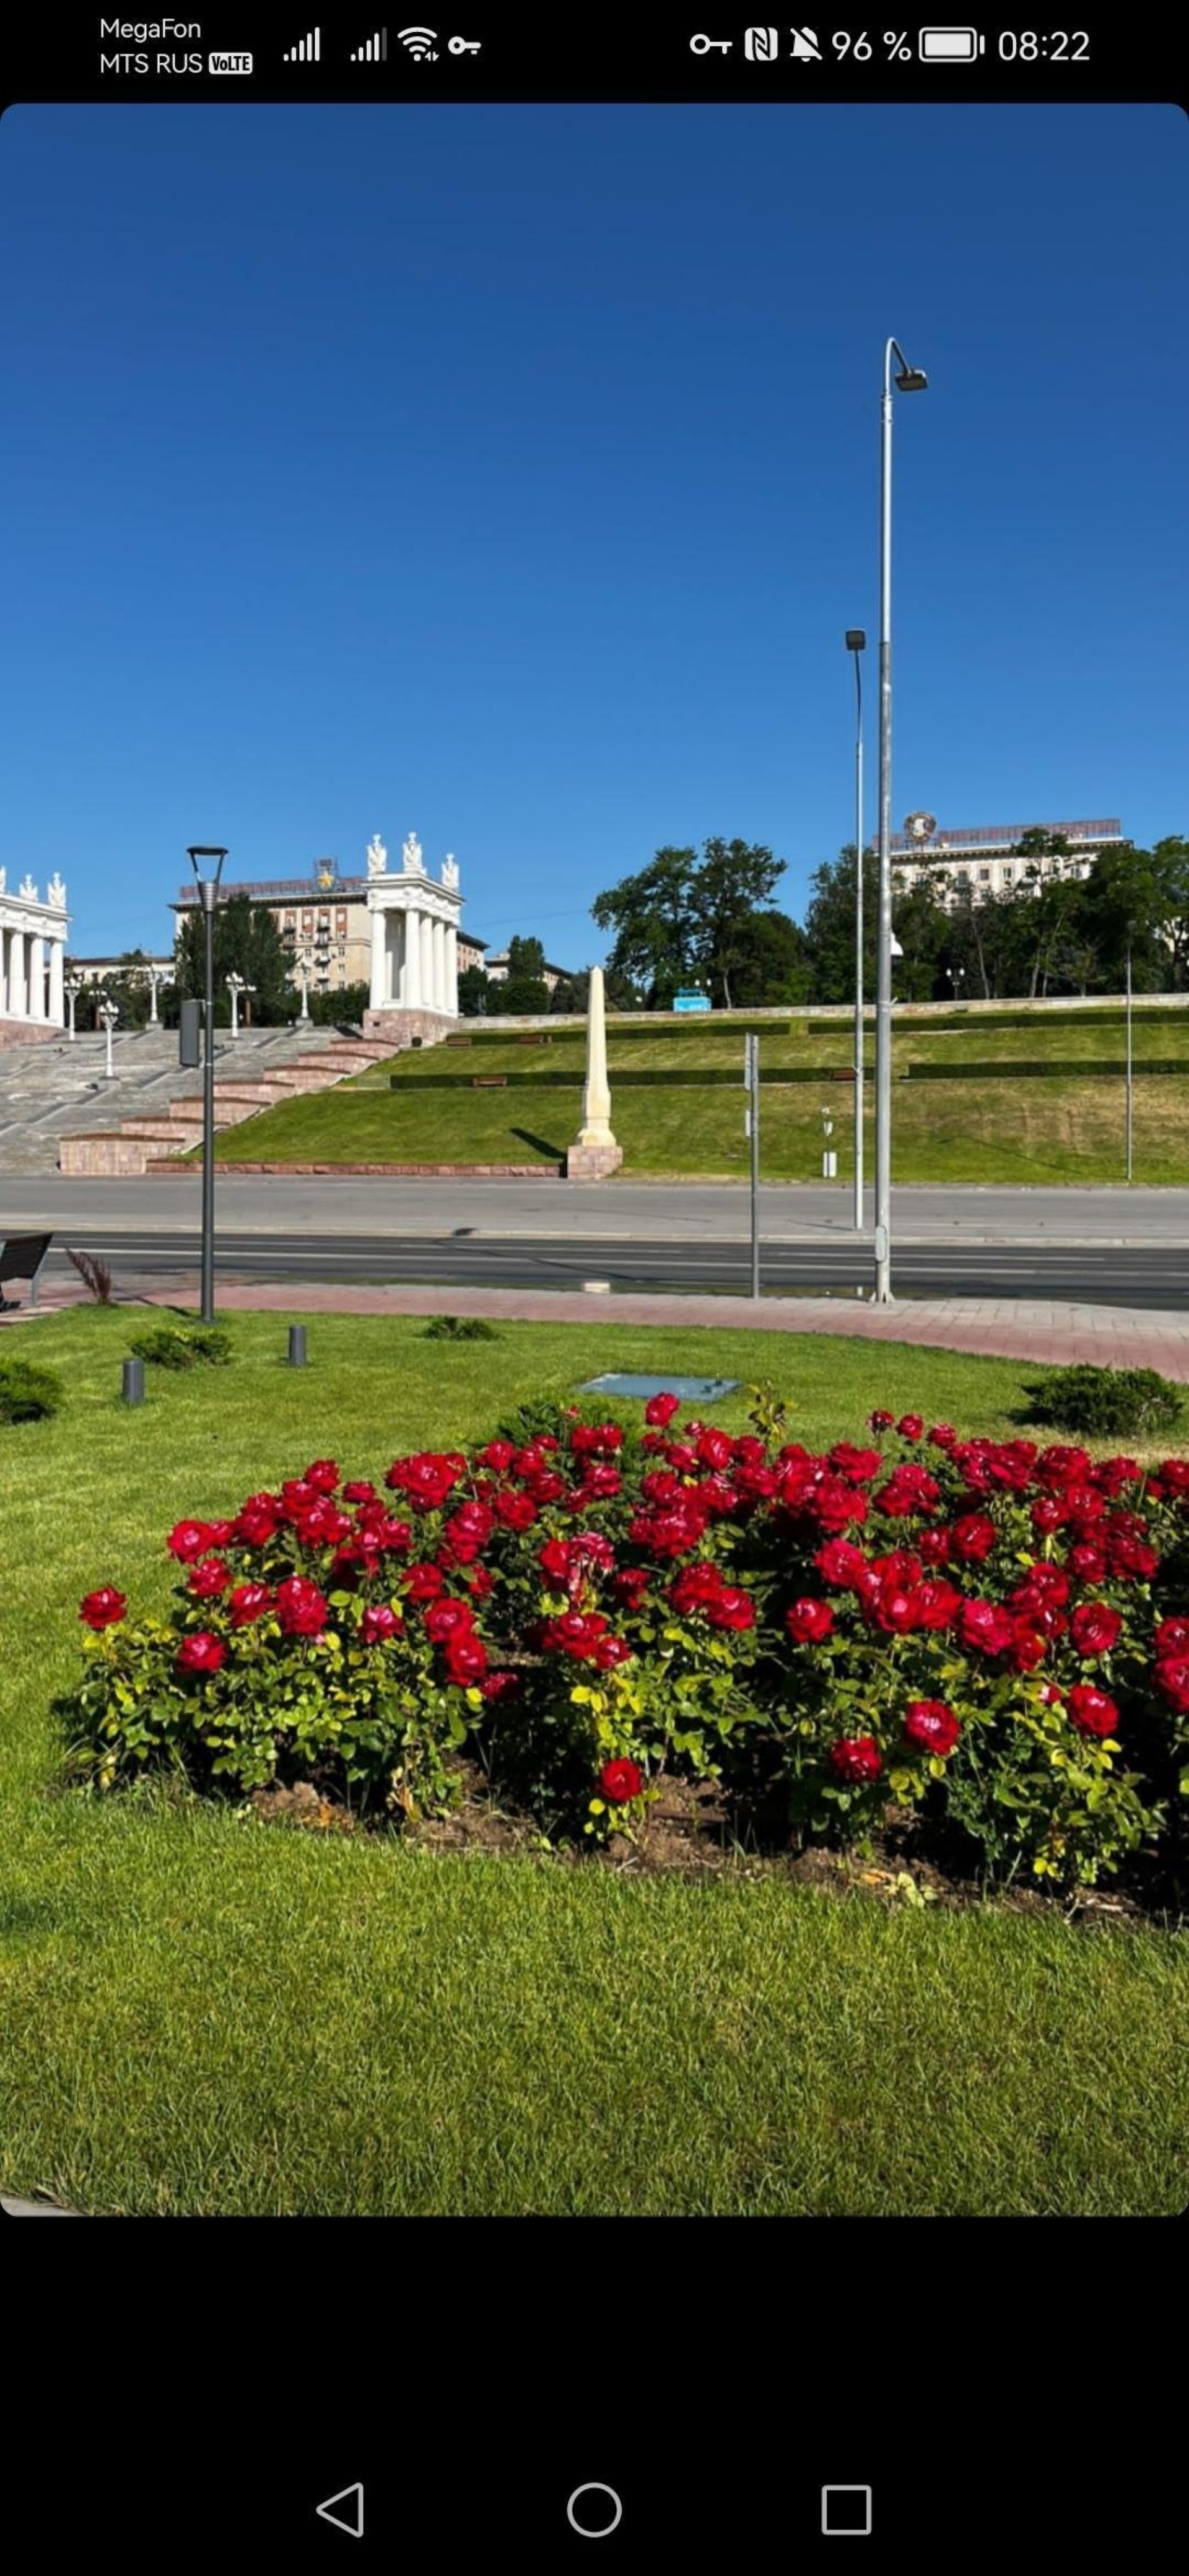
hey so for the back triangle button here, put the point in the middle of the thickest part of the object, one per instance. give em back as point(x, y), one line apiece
point(345, 2510)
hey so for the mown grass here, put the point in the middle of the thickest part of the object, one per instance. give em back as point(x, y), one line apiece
point(1054, 1130)
point(203, 2014)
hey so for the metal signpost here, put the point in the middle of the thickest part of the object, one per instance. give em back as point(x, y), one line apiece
point(751, 1077)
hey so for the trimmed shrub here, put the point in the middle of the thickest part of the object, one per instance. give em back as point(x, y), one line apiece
point(1104, 1403)
point(170, 1348)
point(460, 1328)
point(28, 1393)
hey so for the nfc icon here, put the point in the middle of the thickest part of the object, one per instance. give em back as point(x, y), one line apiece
point(761, 44)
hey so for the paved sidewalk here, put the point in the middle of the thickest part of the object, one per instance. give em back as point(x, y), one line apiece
point(35, 2209)
point(992, 1328)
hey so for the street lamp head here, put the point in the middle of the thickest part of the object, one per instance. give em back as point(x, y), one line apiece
point(197, 854)
point(911, 380)
point(856, 641)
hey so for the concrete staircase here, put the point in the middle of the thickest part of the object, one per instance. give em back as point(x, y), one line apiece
point(59, 1112)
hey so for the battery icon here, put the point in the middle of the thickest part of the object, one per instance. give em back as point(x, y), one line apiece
point(949, 44)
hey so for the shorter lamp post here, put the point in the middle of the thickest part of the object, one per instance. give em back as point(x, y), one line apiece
point(73, 987)
point(157, 975)
point(109, 1014)
point(829, 1156)
point(207, 864)
point(303, 968)
point(237, 986)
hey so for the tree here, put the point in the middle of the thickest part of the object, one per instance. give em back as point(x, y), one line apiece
point(829, 933)
point(474, 992)
point(346, 1005)
point(247, 942)
point(728, 890)
point(1130, 901)
point(570, 994)
point(652, 916)
point(776, 967)
point(523, 993)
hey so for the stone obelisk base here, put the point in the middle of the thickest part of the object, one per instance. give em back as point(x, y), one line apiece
point(592, 1162)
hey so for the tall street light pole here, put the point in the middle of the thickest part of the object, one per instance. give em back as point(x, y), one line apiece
point(909, 380)
point(208, 868)
point(856, 643)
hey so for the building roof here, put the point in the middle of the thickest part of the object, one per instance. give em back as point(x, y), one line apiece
point(270, 888)
point(999, 836)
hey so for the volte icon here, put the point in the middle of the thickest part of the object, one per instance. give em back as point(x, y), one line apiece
point(344, 2510)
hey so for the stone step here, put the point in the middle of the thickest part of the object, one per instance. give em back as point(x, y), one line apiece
point(163, 1129)
point(109, 1157)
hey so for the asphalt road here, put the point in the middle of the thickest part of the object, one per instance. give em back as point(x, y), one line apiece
point(693, 1212)
point(1153, 1275)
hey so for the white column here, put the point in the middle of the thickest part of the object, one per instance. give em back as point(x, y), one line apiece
point(57, 988)
point(36, 974)
point(452, 969)
point(378, 994)
point(411, 980)
point(18, 997)
point(439, 965)
point(427, 961)
point(3, 970)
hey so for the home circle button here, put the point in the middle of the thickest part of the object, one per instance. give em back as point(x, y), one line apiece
point(595, 2511)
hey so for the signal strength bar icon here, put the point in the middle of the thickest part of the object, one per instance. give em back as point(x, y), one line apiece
point(375, 50)
point(308, 50)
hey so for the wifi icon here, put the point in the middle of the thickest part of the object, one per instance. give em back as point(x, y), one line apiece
point(419, 42)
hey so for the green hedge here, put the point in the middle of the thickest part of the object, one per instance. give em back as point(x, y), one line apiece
point(1076, 1067)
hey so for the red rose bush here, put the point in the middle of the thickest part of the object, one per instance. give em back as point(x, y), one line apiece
point(983, 1632)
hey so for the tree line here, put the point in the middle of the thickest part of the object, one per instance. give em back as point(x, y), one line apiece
point(707, 921)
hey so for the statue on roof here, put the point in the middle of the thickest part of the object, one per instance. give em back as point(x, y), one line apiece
point(377, 856)
point(411, 854)
point(450, 872)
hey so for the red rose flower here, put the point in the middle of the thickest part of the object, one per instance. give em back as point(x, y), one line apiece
point(502, 1685)
point(929, 1723)
point(660, 1410)
point(556, 1561)
point(323, 1476)
point(1091, 1711)
point(188, 1540)
point(1131, 1556)
point(856, 1758)
point(630, 1584)
point(731, 1609)
point(842, 1563)
point(220, 1533)
point(466, 1657)
point(937, 1604)
point(200, 1653)
point(248, 1602)
point(621, 1781)
point(879, 1422)
point(301, 1608)
point(424, 1583)
point(910, 1426)
point(611, 1651)
point(444, 1619)
point(894, 1609)
point(1028, 1645)
point(809, 1621)
point(209, 1578)
point(694, 1587)
point(859, 1465)
point(1172, 1679)
point(360, 1492)
point(1095, 1628)
point(973, 1538)
point(257, 1523)
point(379, 1622)
point(942, 1435)
point(516, 1511)
point(1172, 1638)
point(984, 1624)
point(575, 1633)
point(1086, 1563)
point(934, 1546)
point(104, 1608)
point(499, 1454)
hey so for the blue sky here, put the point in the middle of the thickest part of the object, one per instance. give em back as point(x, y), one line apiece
point(511, 475)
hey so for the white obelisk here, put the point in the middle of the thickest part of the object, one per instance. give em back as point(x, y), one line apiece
point(596, 1153)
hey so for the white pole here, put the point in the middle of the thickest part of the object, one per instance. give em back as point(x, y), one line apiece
point(1130, 1083)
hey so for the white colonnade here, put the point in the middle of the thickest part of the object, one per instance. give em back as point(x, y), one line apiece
point(414, 933)
point(32, 950)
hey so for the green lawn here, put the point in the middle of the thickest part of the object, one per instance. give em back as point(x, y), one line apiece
point(1053, 1129)
point(203, 2014)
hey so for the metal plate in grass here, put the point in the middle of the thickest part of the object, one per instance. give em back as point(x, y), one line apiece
point(692, 1390)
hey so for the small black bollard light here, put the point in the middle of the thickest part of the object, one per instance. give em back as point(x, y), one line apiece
point(133, 1382)
point(297, 1345)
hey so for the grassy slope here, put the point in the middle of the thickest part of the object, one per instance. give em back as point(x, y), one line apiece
point(1051, 1130)
point(202, 2014)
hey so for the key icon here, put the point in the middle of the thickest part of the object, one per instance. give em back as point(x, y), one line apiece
point(710, 44)
point(461, 45)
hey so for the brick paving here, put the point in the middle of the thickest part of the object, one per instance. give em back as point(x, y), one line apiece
point(1037, 1329)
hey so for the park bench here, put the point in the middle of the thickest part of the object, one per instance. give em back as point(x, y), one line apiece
point(489, 1082)
point(21, 1257)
